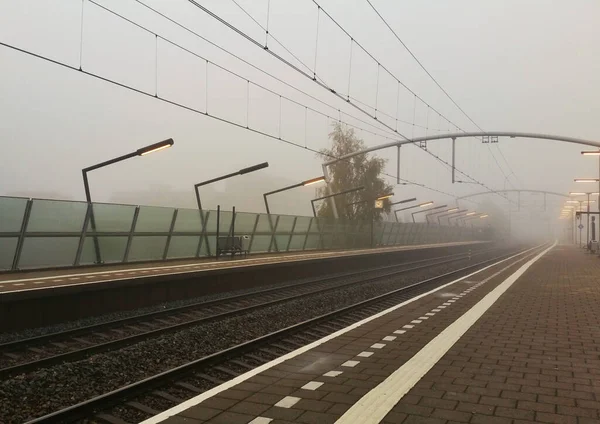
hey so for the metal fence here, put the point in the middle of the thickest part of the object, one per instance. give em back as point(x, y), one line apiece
point(38, 233)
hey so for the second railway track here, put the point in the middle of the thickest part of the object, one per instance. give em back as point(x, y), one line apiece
point(24, 355)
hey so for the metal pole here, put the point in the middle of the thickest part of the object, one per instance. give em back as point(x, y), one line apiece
point(217, 239)
point(88, 199)
point(453, 158)
point(21, 240)
point(398, 167)
point(587, 230)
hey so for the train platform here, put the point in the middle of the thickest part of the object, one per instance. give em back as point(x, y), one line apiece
point(86, 276)
point(514, 343)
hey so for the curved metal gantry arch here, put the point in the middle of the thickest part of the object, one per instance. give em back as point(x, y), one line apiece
point(544, 192)
point(454, 137)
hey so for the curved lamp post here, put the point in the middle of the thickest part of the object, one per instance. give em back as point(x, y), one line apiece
point(143, 151)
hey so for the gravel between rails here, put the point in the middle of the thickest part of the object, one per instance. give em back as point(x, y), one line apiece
point(33, 332)
point(43, 391)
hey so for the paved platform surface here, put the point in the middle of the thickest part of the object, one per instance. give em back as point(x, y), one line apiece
point(513, 344)
point(11, 282)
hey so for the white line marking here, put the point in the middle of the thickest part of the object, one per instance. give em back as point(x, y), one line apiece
point(423, 318)
point(408, 326)
point(18, 284)
point(376, 404)
point(441, 307)
point(288, 402)
point(365, 354)
point(436, 310)
point(452, 301)
point(74, 278)
point(416, 321)
point(261, 420)
point(350, 364)
point(399, 331)
point(57, 280)
point(312, 385)
point(389, 338)
point(241, 378)
point(446, 304)
point(430, 314)
point(378, 345)
point(38, 282)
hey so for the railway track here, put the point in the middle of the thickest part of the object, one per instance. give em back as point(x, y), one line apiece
point(25, 355)
point(146, 397)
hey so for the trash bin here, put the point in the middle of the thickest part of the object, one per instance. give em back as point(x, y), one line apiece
point(246, 244)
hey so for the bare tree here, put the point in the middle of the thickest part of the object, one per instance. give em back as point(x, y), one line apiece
point(357, 171)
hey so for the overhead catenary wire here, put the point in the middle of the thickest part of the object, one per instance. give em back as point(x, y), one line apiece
point(189, 108)
point(270, 75)
point(285, 61)
point(441, 88)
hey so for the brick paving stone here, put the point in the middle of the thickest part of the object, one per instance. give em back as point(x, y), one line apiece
point(533, 357)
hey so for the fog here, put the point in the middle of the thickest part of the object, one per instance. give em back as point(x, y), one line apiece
point(511, 65)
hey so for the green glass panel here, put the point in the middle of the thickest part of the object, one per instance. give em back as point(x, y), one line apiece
point(41, 252)
point(285, 223)
point(112, 218)
point(154, 219)
point(244, 223)
point(225, 223)
point(8, 245)
point(56, 216)
point(282, 242)
point(189, 221)
point(12, 210)
point(261, 244)
point(145, 248)
point(211, 221)
point(312, 242)
point(297, 242)
point(112, 250)
point(302, 224)
point(183, 246)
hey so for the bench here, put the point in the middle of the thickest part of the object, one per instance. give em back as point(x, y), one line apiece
point(233, 245)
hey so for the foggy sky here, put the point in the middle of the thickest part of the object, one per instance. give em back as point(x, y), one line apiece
point(512, 65)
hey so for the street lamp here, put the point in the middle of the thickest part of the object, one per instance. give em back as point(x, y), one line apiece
point(450, 214)
point(312, 202)
point(587, 180)
point(302, 184)
point(457, 216)
point(588, 201)
point(403, 201)
point(435, 213)
point(139, 152)
point(427, 210)
point(233, 174)
point(422, 205)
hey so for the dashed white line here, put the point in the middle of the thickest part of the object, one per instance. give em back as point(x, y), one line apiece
point(350, 364)
point(312, 385)
point(261, 420)
point(408, 326)
point(430, 314)
point(389, 338)
point(436, 310)
point(399, 331)
point(332, 373)
point(18, 284)
point(58, 280)
point(423, 318)
point(441, 307)
point(288, 402)
point(365, 354)
point(378, 345)
point(416, 321)
point(38, 282)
